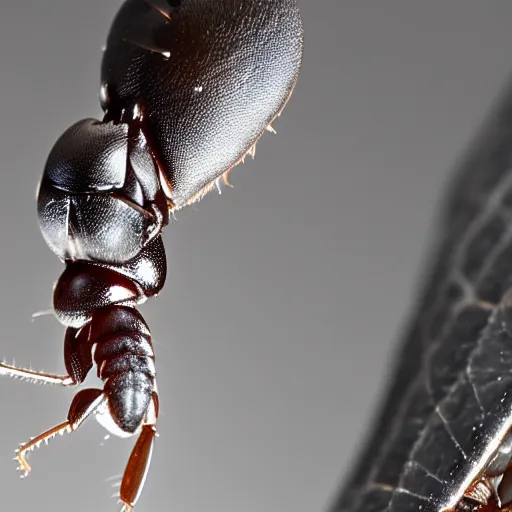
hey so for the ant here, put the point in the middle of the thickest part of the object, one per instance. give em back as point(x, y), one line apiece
point(187, 89)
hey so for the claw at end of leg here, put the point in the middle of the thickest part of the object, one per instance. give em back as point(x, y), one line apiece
point(23, 464)
point(35, 442)
point(126, 508)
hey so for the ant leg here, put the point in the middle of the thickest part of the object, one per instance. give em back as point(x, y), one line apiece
point(35, 376)
point(84, 403)
point(77, 357)
point(140, 459)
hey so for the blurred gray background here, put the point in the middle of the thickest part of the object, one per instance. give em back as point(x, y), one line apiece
point(282, 303)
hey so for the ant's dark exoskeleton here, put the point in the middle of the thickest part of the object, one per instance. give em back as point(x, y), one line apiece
point(187, 87)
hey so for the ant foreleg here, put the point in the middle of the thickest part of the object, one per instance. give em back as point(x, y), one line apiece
point(140, 459)
point(84, 403)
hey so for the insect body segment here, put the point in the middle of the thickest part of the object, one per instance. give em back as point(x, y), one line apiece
point(187, 88)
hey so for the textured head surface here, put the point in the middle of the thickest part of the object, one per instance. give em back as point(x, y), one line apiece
point(208, 75)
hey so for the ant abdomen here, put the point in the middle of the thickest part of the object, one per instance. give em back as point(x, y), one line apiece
point(96, 303)
point(125, 360)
